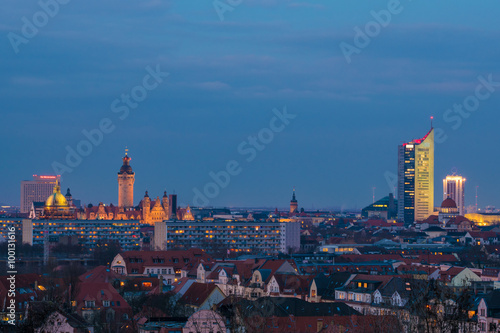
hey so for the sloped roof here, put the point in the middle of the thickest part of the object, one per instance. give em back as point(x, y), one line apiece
point(197, 293)
point(175, 259)
point(99, 274)
point(287, 306)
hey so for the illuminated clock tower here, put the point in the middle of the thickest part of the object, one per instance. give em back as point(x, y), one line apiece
point(126, 178)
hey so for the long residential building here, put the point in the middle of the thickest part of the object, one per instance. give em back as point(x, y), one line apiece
point(87, 232)
point(238, 236)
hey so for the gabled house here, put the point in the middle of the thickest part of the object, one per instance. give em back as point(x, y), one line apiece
point(359, 292)
point(202, 296)
point(323, 287)
point(100, 301)
point(262, 276)
point(488, 312)
point(59, 322)
point(289, 285)
point(168, 264)
point(396, 294)
point(458, 276)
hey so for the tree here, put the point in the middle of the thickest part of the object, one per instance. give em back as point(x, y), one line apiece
point(105, 251)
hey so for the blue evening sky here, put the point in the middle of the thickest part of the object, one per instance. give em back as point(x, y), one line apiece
point(225, 79)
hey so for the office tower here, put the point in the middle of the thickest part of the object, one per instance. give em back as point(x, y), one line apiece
point(126, 178)
point(416, 179)
point(454, 187)
point(38, 189)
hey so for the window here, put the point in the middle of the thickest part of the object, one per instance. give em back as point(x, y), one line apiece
point(482, 313)
point(105, 303)
point(89, 304)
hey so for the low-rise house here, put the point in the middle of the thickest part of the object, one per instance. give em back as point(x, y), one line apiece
point(202, 296)
point(395, 294)
point(98, 301)
point(290, 285)
point(359, 292)
point(167, 264)
point(323, 287)
point(458, 276)
point(27, 289)
point(205, 321)
point(59, 322)
point(488, 312)
point(490, 274)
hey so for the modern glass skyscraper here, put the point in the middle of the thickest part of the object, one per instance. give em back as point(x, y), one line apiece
point(416, 179)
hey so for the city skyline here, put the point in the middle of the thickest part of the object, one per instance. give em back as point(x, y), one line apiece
point(126, 160)
point(215, 83)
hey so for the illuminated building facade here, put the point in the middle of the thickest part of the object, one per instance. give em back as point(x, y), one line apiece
point(265, 237)
point(37, 189)
point(126, 179)
point(7, 224)
point(485, 219)
point(57, 206)
point(454, 188)
point(416, 179)
point(88, 232)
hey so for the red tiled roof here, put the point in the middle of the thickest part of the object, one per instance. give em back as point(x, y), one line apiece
point(99, 292)
point(197, 294)
point(175, 259)
point(99, 274)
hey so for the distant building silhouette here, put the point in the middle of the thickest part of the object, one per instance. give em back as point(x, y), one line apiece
point(293, 203)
